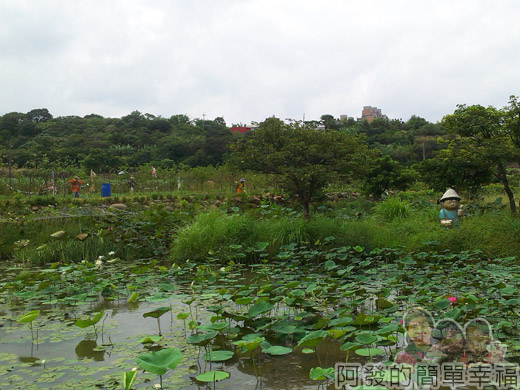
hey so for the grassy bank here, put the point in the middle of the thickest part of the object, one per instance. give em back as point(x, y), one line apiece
point(496, 233)
point(199, 227)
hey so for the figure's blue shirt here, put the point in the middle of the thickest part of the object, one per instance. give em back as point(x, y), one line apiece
point(447, 214)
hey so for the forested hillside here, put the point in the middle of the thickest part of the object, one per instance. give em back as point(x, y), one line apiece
point(39, 140)
point(109, 144)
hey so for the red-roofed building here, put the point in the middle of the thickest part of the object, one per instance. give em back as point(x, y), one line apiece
point(240, 129)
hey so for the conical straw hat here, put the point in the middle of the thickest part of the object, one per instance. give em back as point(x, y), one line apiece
point(450, 193)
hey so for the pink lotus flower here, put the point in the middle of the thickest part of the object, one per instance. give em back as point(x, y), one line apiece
point(452, 300)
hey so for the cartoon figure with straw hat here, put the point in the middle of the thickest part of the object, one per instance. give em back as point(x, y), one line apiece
point(451, 210)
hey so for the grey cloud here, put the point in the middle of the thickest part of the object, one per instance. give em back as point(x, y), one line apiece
point(249, 59)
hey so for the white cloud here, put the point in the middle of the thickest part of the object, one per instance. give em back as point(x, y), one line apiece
point(249, 59)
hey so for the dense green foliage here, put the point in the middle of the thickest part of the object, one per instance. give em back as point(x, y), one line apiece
point(109, 144)
point(487, 140)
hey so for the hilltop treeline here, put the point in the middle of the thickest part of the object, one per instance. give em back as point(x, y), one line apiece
point(39, 140)
point(109, 144)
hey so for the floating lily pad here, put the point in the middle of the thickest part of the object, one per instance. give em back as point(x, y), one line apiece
point(368, 352)
point(218, 356)
point(212, 376)
point(277, 350)
point(365, 338)
point(150, 339)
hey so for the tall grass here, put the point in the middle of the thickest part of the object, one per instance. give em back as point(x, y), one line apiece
point(66, 251)
point(216, 231)
point(393, 208)
point(495, 233)
point(36, 231)
point(211, 232)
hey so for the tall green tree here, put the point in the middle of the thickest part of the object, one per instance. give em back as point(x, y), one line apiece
point(304, 159)
point(487, 132)
point(458, 166)
point(511, 121)
point(386, 174)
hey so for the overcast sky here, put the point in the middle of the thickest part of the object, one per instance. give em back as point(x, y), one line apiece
point(246, 60)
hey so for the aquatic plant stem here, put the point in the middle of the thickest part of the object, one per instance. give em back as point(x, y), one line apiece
point(317, 354)
point(254, 366)
point(327, 354)
point(103, 328)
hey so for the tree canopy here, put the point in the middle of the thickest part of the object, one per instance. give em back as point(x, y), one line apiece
point(305, 159)
point(489, 133)
point(39, 140)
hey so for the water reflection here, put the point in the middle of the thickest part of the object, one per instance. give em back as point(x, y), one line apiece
point(125, 325)
point(85, 350)
point(31, 360)
point(290, 371)
point(115, 306)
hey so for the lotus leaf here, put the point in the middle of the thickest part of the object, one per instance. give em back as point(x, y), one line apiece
point(212, 376)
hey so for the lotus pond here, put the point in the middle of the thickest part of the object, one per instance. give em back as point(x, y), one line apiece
point(277, 322)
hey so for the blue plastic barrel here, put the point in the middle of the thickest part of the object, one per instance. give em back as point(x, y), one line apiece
point(105, 190)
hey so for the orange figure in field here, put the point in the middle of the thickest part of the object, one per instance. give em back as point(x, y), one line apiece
point(241, 186)
point(75, 185)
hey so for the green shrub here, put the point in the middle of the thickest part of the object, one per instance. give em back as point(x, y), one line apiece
point(42, 201)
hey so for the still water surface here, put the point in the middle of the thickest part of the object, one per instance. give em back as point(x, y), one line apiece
point(64, 356)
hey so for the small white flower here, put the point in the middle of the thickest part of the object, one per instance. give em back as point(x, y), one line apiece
point(223, 269)
point(100, 258)
point(111, 253)
point(43, 361)
point(157, 386)
point(134, 369)
point(99, 263)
